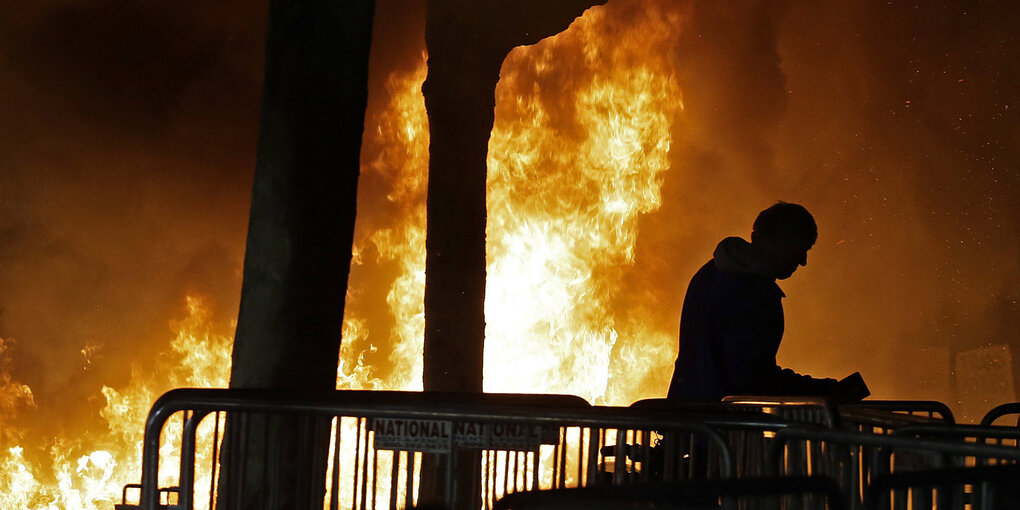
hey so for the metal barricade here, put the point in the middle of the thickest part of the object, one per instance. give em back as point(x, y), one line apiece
point(1002, 411)
point(840, 458)
point(885, 416)
point(804, 410)
point(969, 434)
point(975, 488)
point(746, 427)
point(691, 495)
point(381, 445)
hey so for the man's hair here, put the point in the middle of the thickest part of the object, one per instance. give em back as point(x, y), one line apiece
point(785, 220)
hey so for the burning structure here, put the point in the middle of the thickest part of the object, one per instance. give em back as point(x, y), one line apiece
point(620, 149)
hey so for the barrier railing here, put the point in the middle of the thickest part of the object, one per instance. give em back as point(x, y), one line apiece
point(975, 488)
point(886, 416)
point(856, 459)
point(734, 494)
point(805, 410)
point(400, 449)
point(1012, 408)
point(521, 442)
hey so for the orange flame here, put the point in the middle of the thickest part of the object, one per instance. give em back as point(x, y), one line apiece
point(89, 471)
point(584, 125)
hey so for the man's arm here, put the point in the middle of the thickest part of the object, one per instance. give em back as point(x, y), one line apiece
point(749, 346)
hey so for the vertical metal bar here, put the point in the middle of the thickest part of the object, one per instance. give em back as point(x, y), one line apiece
point(900, 498)
point(493, 467)
point(188, 445)
point(670, 443)
point(511, 471)
point(535, 467)
point(487, 478)
point(242, 456)
point(591, 476)
point(270, 464)
point(602, 458)
point(183, 480)
point(362, 459)
point(215, 460)
point(451, 494)
point(506, 472)
point(375, 474)
point(619, 453)
point(334, 489)
point(409, 496)
point(230, 464)
point(646, 457)
point(558, 460)
point(693, 455)
point(559, 475)
point(394, 471)
point(580, 456)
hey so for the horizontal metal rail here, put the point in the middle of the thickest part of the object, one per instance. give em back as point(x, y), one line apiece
point(972, 433)
point(803, 409)
point(530, 410)
point(889, 441)
point(884, 416)
point(739, 493)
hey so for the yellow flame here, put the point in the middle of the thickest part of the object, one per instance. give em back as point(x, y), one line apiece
point(571, 170)
point(402, 136)
point(87, 472)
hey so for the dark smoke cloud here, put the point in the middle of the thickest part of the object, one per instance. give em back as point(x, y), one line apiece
point(126, 148)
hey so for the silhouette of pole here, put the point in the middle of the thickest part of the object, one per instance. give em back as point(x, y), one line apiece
point(300, 232)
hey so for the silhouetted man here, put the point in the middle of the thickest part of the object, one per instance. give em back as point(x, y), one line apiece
point(732, 318)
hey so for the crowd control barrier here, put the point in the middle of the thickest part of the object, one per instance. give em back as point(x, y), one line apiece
point(730, 494)
point(390, 449)
point(1002, 411)
point(855, 460)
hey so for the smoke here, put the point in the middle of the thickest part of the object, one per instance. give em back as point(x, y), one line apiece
point(889, 122)
point(126, 150)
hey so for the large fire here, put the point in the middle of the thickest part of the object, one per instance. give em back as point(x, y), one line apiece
point(577, 155)
point(88, 471)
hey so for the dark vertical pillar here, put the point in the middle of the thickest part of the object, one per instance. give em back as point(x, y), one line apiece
point(300, 232)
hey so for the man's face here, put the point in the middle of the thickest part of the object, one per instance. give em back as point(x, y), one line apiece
point(785, 254)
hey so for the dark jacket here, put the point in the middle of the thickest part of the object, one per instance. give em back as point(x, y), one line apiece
point(730, 329)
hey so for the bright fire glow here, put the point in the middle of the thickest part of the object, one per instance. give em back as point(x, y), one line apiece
point(574, 160)
point(577, 155)
point(89, 471)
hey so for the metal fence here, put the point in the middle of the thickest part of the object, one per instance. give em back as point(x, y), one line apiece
point(1002, 411)
point(924, 467)
point(386, 447)
point(394, 450)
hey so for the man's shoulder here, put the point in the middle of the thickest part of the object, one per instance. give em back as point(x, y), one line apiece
point(716, 281)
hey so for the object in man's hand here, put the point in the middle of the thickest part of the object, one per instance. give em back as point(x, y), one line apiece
point(852, 387)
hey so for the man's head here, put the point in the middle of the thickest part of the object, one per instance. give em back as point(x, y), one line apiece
point(783, 234)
